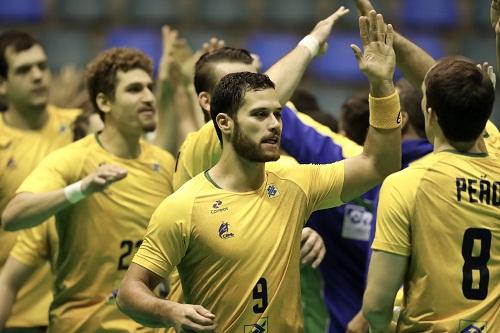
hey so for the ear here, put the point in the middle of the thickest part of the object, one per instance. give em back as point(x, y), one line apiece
point(103, 102)
point(225, 123)
point(204, 101)
point(404, 119)
point(3, 86)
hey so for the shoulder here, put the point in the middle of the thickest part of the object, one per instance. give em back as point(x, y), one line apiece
point(68, 114)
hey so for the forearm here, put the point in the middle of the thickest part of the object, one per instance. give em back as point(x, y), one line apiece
point(412, 60)
point(378, 319)
point(27, 210)
point(498, 52)
point(288, 71)
point(138, 302)
point(166, 134)
point(8, 296)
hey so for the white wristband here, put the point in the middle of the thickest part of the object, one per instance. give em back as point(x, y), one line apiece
point(310, 43)
point(74, 192)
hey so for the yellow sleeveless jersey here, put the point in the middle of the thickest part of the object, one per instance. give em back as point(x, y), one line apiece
point(443, 212)
point(99, 235)
point(238, 254)
point(20, 153)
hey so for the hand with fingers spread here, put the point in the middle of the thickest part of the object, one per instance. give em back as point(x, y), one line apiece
point(323, 28)
point(488, 70)
point(378, 60)
point(313, 248)
point(104, 176)
point(192, 318)
point(212, 45)
point(169, 69)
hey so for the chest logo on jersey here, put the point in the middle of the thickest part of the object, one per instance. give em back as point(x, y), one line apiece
point(11, 163)
point(156, 167)
point(62, 128)
point(217, 207)
point(224, 231)
point(272, 191)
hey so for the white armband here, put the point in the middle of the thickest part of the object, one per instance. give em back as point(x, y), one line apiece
point(74, 192)
point(310, 43)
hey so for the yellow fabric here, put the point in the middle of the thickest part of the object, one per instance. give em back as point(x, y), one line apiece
point(20, 152)
point(426, 212)
point(385, 111)
point(223, 243)
point(99, 235)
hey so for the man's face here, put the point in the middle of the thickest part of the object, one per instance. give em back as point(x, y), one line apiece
point(28, 78)
point(257, 127)
point(133, 106)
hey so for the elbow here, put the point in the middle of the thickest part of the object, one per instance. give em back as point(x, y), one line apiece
point(377, 314)
point(8, 219)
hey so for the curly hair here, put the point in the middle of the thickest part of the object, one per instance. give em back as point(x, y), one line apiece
point(100, 76)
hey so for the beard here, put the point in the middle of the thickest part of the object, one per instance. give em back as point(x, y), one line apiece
point(250, 150)
point(149, 127)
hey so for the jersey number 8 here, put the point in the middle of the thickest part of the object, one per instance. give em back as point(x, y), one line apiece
point(476, 263)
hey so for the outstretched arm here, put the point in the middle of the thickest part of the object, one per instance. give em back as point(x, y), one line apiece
point(495, 23)
point(288, 71)
point(411, 59)
point(381, 154)
point(28, 209)
point(137, 300)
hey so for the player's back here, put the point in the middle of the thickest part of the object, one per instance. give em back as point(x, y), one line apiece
point(453, 282)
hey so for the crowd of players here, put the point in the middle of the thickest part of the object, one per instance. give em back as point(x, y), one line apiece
point(106, 231)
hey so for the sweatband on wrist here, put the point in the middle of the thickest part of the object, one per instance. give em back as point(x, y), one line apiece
point(385, 111)
point(74, 192)
point(311, 44)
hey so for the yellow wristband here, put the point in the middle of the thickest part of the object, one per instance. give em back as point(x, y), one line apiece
point(385, 111)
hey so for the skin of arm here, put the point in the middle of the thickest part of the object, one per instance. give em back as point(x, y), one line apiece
point(288, 71)
point(385, 277)
point(12, 277)
point(495, 23)
point(381, 154)
point(28, 209)
point(136, 299)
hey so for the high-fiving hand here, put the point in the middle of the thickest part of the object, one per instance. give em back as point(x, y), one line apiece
point(378, 60)
point(495, 16)
point(323, 28)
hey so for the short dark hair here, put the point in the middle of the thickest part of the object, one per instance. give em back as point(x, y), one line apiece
point(204, 79)
point(355, 117)
point(462, 96)
point(19, 40)
point(229, 93)
point(101, 72)
point(410, 98)
point(306, 102)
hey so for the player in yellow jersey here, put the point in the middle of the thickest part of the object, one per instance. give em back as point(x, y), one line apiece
point(239, 261)
point(439, 220)
point(29, 130)
point(102, 190)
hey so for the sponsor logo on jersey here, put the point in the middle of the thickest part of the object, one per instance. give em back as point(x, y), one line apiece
point(272, 191)
point(217, 207)
point(470, 326)
point(224, 231)
point(260, 327)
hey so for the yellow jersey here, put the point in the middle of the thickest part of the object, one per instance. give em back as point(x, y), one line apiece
point(99, 235)
point(238, 254)
point(443, 212)
point(20, 153)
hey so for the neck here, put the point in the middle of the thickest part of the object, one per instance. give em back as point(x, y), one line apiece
point(120, 144)
point(28, 120)
point(442, 144)
point(236, 174)
point(410, 134)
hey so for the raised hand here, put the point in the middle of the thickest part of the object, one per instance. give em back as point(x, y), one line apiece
point(104, 176)
point(323, 28)
point(488, 70)
point(495, 15)
point(378, 60)
point(192, 318)
point(364, 7)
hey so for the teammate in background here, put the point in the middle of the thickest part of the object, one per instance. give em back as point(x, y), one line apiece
point(452, 194)
point(102, 190)
point(264, 292)
point(307, 103)
point(30, 129)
